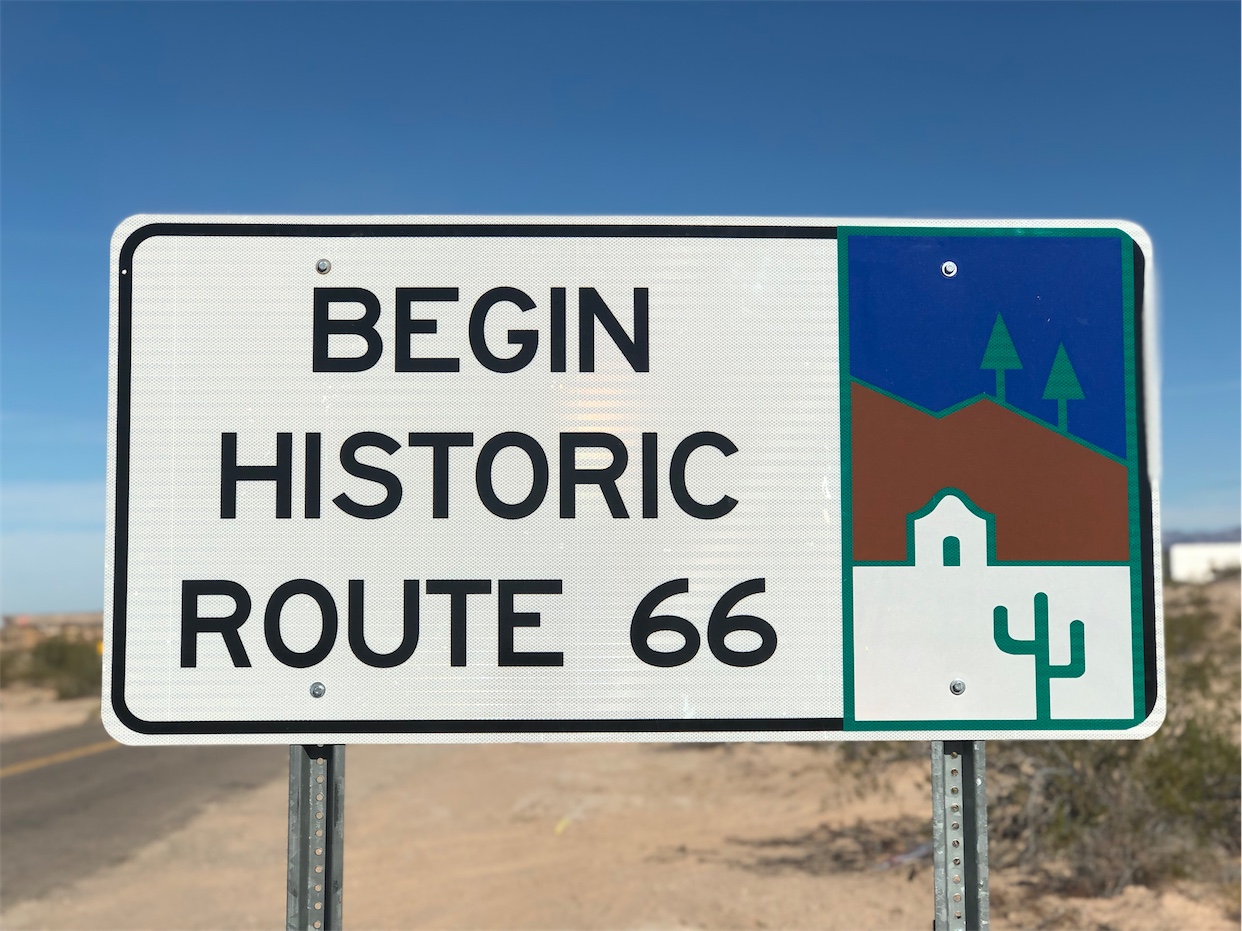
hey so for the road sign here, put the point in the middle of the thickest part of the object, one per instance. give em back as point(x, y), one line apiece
point(467, 479)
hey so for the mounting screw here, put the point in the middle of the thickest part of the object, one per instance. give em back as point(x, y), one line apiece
point(957, 686)
point(323, 266)
point(317, 690)
point(948, 269)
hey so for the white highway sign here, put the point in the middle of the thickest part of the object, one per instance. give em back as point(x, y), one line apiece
point(418, 479)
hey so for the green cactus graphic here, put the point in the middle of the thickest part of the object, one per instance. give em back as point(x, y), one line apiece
point(1045, 671)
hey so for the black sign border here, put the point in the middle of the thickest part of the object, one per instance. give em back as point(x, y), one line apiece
point(120, 571)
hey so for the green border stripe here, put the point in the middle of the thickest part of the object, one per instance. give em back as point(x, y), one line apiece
point(847, 478)
point(1024, 724)
point(1059, 232)
point(1132, 452)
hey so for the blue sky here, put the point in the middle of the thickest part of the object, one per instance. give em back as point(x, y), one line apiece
point(1115, 109)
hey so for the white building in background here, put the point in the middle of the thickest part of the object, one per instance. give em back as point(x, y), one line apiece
point(1200, 562)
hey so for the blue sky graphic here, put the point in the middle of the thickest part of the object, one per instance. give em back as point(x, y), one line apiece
point(921, 335)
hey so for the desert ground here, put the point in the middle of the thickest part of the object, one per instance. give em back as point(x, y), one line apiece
point(588, 836)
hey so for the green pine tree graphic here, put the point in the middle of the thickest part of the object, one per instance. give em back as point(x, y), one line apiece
point(1000, 355)
point(1062, 386)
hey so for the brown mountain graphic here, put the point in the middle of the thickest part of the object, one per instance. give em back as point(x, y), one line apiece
point(1053, 498)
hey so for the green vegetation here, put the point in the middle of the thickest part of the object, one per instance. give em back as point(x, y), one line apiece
point(72, 667)
point(1092, 817)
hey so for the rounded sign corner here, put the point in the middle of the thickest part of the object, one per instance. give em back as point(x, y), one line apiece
point(117, 722)
point(1148, 726)
point(126, 229)
point(130, 234)
point(1137, 234)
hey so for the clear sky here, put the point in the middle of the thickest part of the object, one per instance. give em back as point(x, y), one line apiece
point(1101, 110)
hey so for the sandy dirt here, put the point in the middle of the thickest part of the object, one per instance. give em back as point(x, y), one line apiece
point(634, 836)
point(31, 710)
point(583, 837)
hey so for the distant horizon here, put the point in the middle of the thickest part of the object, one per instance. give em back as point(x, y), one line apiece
point(1224, 535)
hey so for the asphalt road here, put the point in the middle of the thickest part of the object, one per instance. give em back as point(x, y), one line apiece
point(73, 801)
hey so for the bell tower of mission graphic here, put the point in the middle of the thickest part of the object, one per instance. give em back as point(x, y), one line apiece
point(993, 479)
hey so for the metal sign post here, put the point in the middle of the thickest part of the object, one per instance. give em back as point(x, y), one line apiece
point(960, 835)
point(316, 837)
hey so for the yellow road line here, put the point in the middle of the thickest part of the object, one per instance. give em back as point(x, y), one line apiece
point(54, 758)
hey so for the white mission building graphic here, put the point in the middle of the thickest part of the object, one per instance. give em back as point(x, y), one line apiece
point(1039, 642)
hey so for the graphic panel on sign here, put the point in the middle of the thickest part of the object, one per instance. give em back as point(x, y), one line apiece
point(992, 464)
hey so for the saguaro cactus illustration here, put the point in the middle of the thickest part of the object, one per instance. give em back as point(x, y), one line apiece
point(1037, 646)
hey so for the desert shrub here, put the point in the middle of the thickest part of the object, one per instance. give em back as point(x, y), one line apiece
point(71, 667)
point(14, 665)
point(1091, 817)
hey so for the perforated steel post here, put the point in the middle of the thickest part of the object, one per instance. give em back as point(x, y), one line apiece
point(960, 835)
point(316, 837)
